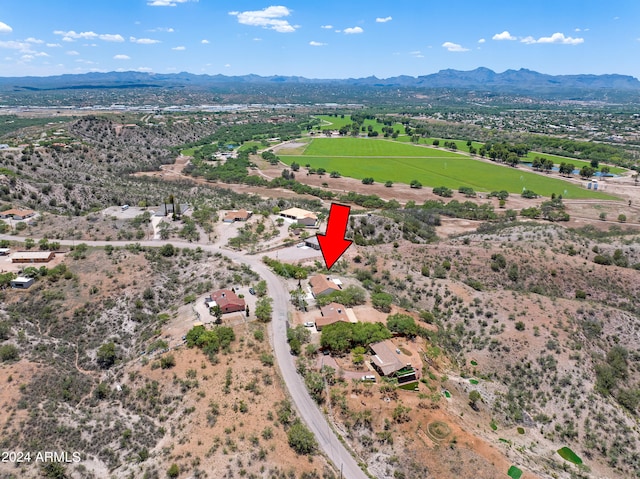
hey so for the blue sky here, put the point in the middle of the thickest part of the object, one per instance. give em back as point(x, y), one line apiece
point(318, 39)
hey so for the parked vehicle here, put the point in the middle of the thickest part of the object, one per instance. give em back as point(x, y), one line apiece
point(369, 377)
point(252, 291)
point(309, 324)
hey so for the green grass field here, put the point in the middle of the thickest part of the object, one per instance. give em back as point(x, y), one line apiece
point(398, 162)
point(335, 123)
point(568, 455)
point(616, 170)
point(462, 146)
point(189, 151)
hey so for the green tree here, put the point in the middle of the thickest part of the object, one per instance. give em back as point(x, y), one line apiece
point(301, 439)
point(173, 471)
point(402, 324)
point(587, 172)
point(315, 385)
point(54, 470)
point(106, 355)
point(217, 312)
point(9, 352)
point(168, 361)
point(264, 310)
point(260, 288)
point(167, 250)
point(382, 301)
point(474, 397)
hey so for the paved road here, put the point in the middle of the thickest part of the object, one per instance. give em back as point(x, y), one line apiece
point(307, 408)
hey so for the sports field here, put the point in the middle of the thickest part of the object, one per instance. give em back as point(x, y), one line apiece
point(386, 160)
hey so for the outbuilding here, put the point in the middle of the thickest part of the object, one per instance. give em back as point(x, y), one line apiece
point(22, 282)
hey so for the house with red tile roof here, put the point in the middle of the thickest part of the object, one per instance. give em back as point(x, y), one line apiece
point(228, 301)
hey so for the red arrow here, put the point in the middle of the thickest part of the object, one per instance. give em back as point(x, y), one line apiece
point(332, 243)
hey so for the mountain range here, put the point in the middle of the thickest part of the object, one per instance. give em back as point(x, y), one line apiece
point(522, 80)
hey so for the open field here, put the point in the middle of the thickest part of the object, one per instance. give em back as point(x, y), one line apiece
point(335, 123)
point(462, 146)
point(397, 162)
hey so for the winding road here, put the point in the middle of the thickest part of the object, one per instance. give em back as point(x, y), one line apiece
point(328, 442)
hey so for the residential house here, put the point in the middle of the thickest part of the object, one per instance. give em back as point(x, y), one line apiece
point(330, 314)
point(322, 285)
point(228, 301)
point(303, 217)
point(388, 361)
point(240, 215)
point(32, 256)
point(168, 209)
point(17, 214)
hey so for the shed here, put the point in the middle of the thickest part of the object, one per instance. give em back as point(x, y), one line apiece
point(22, 282)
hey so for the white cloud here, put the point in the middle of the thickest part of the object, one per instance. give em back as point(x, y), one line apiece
point(227, 65)
point(167, 3)
point(270, 18)
point(42, 54)
point(34, 40)
point(205, 42)
point(454, 47)
point(121, 57)
point(26, 58)
point(4, 28)
point(73, 52)
point(23, 47)
point(144, 69)
point(416, 54)
point(162, 29)
point(107, 37)
point(482, 40)
point(353, 31)
point(71, 35)
point(54, 45)
point(326, 27)
point(555, 38)
point(316, 44)
point(383, 20)
point(257, 39)
point(179, 49)
point(143, 41)
point(503, 36)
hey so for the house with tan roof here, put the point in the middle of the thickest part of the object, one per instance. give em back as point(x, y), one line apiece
point(330, 314)
point(322, 285)
point(304, 217)
point(390, 361)
point(240, 215)
point(32, 256)
point(17, 214)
